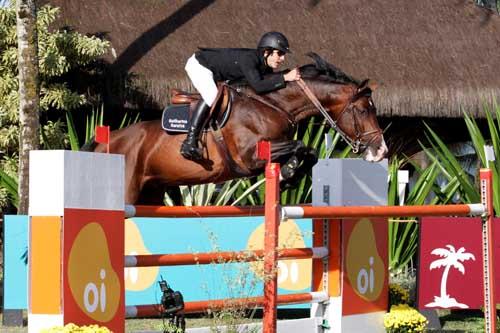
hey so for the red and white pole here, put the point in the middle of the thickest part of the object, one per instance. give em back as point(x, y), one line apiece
point(490, 317)
point(272, 219)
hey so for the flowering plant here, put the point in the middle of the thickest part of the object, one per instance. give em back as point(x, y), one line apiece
point(402, 318)
point(398, 295)
point(72, 328)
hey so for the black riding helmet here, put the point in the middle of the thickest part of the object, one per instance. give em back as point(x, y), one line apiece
point(274, 40)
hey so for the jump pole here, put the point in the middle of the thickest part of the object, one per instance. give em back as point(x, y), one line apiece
point(272, 220)
point(490, 312)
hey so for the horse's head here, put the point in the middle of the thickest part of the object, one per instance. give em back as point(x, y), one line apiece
point(357, 119)
point(351, 110)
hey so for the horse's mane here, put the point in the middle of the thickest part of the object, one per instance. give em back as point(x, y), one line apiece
point(325, 70)
point(320, 70)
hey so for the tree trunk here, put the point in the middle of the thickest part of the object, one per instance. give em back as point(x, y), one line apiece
point(28, 94)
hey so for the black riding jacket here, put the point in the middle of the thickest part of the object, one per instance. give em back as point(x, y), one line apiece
point(237, 64)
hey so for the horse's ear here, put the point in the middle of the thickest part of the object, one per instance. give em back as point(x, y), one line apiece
point(363, 85)
point(372, 85)
point(321, 64)
point(364, 89)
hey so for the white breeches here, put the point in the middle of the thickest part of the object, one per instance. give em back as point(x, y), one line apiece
point(202, 79)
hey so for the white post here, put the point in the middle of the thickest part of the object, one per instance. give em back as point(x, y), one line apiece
point(403, 178)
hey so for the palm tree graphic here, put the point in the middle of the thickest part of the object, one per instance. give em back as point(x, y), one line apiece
point(449, 258)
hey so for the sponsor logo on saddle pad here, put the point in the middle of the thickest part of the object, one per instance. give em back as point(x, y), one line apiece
point(175, 118)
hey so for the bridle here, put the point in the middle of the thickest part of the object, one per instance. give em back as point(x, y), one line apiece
point(355, 143)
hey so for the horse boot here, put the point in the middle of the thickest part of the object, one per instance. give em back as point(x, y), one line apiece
point(189, 148)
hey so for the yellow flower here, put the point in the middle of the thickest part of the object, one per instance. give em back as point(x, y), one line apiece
point(72, 328)
point(403, 318)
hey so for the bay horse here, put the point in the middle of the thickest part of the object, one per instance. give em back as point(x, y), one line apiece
point(152, 158)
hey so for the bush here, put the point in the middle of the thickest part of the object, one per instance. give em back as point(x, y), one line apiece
point(398, 295)
point(402, 318)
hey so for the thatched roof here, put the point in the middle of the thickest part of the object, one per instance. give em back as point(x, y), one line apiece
point(432, 57)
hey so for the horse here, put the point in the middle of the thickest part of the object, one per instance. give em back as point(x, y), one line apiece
point(153, 162)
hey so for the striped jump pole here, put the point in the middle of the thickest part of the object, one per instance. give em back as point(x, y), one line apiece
point(180, 259)
point(192, 211)
point(490, 312)
point(382, 211)
point(152, 310)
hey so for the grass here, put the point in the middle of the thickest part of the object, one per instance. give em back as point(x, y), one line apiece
point(134, 325)
point(470, 321)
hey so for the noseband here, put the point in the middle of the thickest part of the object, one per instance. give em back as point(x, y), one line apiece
point(355, 143)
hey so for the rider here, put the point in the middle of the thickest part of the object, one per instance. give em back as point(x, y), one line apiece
point(210, 65)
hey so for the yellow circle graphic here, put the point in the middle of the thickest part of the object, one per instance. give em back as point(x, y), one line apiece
point(93, 282)
point(365, 267)
point(293, 274)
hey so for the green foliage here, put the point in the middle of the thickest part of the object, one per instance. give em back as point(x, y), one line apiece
point(59, 52)
point(403, 232)
point(460, 185)
point(398, 295)
point(451, 168)
point(8, 182)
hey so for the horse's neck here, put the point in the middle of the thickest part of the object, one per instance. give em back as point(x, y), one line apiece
point(326, 93)
point(293, 101)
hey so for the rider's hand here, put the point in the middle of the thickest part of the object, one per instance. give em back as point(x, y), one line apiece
point(293, 75)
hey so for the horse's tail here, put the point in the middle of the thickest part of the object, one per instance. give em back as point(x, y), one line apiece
point(89, 145)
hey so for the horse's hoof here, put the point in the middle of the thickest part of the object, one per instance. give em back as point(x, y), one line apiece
point(288, 185)
point(287, 172)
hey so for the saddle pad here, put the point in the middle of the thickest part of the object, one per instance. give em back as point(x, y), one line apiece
point(175, 118)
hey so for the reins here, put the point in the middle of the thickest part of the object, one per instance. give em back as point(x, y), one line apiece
point(355, 144)
point(259, 99)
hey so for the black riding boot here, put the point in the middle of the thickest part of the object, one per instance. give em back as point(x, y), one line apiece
point(189, 148)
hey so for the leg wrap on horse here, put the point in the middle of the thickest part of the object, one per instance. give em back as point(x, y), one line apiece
point(189, 148)
point(289, 154)
point(298, 166)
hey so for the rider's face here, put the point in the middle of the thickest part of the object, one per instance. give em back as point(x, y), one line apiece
point(275, 59)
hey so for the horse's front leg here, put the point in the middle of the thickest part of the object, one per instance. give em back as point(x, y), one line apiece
point(295, 159)
point(306, 158)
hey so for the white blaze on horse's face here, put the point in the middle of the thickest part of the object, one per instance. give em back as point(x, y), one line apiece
point(374, 154)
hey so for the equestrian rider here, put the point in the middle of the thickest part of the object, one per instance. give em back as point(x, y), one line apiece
point(210, 65)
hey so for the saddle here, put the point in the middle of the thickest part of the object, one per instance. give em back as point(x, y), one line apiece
point(176, 116)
